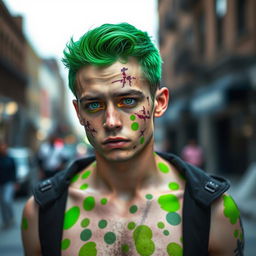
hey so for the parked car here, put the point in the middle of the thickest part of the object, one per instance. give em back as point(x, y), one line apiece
point(24, 169)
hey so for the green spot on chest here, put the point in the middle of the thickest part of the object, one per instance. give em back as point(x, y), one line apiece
point(160, 225)
point(174, 186)
point(131, 225)
point(169, 203)
point(104, 201)
point(173, 218)
point(125, 248)
point(65, 244)
point(84, 186)
point(75, 178)
point(89, 203)
point(174, 249)
point(163, 167)
point(86, 235)
point(85, 223)
point(102, 224)
point(71, 217)
point(149, 196)
point(133, 209)
point(110, 238)
point(142, 237)
point(88, 249)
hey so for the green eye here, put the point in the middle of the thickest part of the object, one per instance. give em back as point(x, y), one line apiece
point(129, 101)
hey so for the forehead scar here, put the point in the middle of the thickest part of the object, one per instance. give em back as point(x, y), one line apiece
point(125, 78)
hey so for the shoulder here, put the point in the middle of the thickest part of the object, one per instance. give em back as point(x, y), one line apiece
point(226, 233)
point(29, 229)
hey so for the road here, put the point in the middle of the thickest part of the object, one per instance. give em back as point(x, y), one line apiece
point(10, 240)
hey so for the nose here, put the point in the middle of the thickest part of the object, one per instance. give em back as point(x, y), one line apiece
point(112, 118)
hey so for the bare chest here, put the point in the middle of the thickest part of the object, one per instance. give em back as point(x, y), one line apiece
point(97, 226)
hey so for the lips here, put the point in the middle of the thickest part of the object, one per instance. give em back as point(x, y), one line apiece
point(115, 142)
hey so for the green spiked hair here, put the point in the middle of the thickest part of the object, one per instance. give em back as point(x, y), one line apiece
point(109, 43)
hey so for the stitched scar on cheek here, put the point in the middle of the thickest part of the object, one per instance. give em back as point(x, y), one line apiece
point(125, 78)
point(88, 128)
point(143, 114)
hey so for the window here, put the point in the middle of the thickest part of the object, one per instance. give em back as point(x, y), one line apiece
point(220, 12)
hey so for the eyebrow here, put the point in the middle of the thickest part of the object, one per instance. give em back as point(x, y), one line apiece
point(114, 95)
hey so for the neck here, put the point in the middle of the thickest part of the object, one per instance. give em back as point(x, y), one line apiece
point(127, 177)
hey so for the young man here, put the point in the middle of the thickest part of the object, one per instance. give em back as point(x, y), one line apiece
point(128, 200)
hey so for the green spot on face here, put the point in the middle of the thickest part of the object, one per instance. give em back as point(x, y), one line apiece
point(102, 223)
point(84, 186)
point(131, 225)
point(163, 167)
point(231, 210)
point(104, 201)
point(109, 238)
point(133, 209)
point(135, 126)
point(85, 223)
point(86, 175)
point(149, 196)
point(160, 224)
point(65, 244)
point(132, 117)
point(142, 139)
point(173, 218)
point(24, 224)
point(125, 248)
point(88, 249)
point(75, 178)
point(71, 217)
point(166, 232)
point(169, 203)
point(236, 233)
point(89, 203)
point(144, 244)
point(174, 186)
point(86, 235)
point(174, 249)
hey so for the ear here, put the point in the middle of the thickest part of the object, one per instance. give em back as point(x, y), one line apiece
point(75, 104)
point(161, 101)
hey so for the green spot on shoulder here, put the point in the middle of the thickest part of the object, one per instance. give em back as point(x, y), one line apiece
point(88, 249)
point(86, 234)
point(24, 224)
point(160, 225)
point(169, 203)
point(85, 223)
point(75, 178)
point(102, 224)
point(125, 248)
point(173, 218)
point(104, 201)
point(163, 167)
point(173, 186)
point(174, 249)
point(110, 238)
point(65, 244)
point(86, 175)
point(133, 209)
point(89, 203)
point(135, 126)
point(144, 244)
point(231, 210)
point(131, 225)
point(132, 117)
point(84, 186)
point(71, 217)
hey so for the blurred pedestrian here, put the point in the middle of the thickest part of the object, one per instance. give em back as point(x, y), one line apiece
point(51, 157)
point(7, 186)
point(193, 153)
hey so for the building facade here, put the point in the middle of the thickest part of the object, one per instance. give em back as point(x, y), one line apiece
point(209, 55)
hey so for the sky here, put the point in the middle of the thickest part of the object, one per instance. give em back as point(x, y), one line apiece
point(49, 24)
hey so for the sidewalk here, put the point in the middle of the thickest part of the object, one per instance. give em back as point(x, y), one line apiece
point(10, 239)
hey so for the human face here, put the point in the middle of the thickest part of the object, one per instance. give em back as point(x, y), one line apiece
point(115, 107)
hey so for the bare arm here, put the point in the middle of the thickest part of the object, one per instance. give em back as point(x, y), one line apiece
point(29, 229)
point(226, 234)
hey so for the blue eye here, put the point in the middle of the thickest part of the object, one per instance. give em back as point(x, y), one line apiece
point(93, 105)
point(129, 101)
